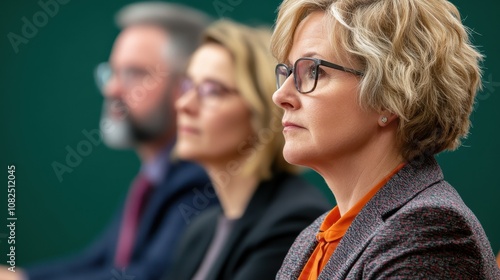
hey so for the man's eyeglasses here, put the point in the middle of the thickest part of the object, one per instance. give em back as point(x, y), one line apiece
point(305, 73)
point(208, 90)
point(130, 76)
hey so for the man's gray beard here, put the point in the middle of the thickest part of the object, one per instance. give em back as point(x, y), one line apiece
point(124, 132)
point(116, 132)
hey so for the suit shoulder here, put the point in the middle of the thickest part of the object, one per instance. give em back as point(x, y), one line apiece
point(293, 207)
point(439, 204)
point(439, 201)
point(436, 231)
point(185, 172)
point(295, 194)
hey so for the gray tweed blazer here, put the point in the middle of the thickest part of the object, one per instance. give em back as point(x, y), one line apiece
point(415, 227)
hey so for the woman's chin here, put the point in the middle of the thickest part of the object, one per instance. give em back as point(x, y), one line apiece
point(186, 153)
point(294, 156)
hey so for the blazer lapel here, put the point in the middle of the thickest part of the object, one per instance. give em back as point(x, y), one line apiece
point(253, 212)
point(301, 250)
point(170, 188)
point(406, 184)
point(197, 249)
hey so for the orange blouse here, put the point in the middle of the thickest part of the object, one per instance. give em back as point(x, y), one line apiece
point(498, 259)
point(333, 229)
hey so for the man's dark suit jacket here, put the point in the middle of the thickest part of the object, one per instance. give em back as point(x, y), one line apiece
point(415, 227)
point(184, 193)
point(278, 211)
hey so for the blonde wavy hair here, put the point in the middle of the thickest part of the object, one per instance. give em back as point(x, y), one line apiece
point(254, 72)
point(417, 57)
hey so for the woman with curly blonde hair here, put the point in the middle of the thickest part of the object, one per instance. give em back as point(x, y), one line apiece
point(371, 91)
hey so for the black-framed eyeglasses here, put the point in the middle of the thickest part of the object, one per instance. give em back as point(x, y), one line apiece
point(305, 73)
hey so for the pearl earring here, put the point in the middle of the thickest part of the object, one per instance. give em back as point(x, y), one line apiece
point(383, 119)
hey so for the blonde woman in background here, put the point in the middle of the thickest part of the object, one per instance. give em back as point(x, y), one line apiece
point(228, 123)
point(371, 91)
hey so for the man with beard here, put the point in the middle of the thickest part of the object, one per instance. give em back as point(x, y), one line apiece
point(140, 84)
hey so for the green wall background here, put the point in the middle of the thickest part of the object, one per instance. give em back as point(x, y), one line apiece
point(48, 98)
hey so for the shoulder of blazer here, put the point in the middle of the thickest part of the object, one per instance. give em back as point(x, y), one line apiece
point(184, 180)
point(182, 173)
point(412, 206)
point(433, 234)
point(294, 205)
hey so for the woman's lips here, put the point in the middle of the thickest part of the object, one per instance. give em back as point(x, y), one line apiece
point(188, 130)
point(288, 126)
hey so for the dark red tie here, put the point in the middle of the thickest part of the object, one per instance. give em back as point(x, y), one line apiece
point(135, 202)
